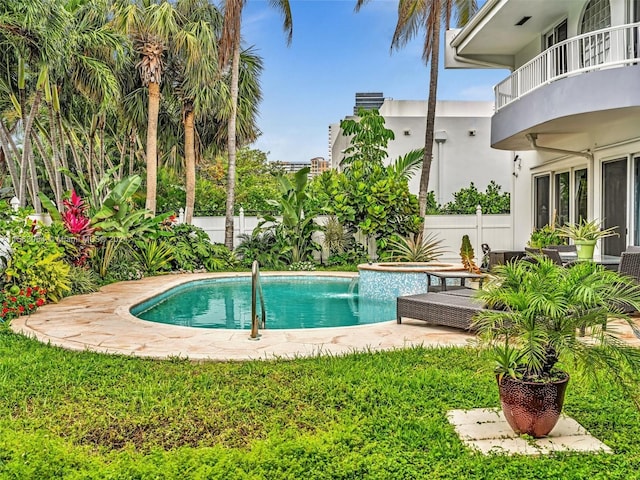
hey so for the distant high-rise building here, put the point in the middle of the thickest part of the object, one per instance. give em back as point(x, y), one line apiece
point(368, 101)
point(319, 165)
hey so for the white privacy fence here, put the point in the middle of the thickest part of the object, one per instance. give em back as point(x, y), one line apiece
point(495, 230)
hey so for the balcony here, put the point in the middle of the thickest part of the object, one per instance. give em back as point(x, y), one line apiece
point(606, 48)
point(574, 87)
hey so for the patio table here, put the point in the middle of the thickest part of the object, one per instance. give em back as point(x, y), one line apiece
point(443, 276)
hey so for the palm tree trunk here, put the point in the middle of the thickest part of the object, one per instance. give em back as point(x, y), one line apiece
point(231, 143)
point(56, 181)
point(63, 151)
point(50, 168)
point(431, 111)
point(11, 153)
point(27, 157)
point(190, 162)
point(152, 145)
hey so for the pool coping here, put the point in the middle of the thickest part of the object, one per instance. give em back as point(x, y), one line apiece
point(101, 322)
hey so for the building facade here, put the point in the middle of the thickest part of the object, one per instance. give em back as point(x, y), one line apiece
point(461, 152)
point(569, 111)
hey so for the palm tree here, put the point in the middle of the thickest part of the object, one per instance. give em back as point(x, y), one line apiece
point(414, 15)
point(195, 70)
point(150, 25)
point(230, 49)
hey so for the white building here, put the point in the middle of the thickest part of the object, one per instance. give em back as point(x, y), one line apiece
point(569, 113)
point(461, 153)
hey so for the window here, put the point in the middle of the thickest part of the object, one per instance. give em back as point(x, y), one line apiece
point(580, 197)
point(541, 200)
point(595, 48)
point(558, 58)
point(562, 198)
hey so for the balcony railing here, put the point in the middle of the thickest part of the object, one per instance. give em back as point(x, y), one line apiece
point(609, 47)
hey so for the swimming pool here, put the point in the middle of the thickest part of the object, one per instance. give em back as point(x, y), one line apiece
point(290, 301)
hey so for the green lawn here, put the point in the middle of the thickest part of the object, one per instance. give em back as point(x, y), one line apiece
point(367, 415)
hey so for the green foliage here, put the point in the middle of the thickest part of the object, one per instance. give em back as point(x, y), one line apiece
point(367, 196)
point(336, 236)
point(415, 248)
point(302, 267)
point(270, 251)
point(153, 255)
point(467, 255)
point(545, 236)
point(297, 225)
point(539, 307)
point(370, 416)
point(118, 220)
point(83, 280)
point(369, 141)
point(192, 250)
point(36, 260)
point(256, 184)
point(466, 201)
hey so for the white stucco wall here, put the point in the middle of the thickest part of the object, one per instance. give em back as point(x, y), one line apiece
point(460, 159)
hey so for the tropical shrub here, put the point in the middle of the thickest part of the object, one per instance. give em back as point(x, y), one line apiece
point(83, 280)
point(466, 200)
point(302, 267)
point(415, 248)
point(36, 259)
point(367, 196)
point(545, 236)
point(467, 255)
point(263, 246)
point(192, 250)
point(154, 256)
point(297, 225)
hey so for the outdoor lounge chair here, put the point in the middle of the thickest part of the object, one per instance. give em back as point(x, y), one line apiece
point(448, 309)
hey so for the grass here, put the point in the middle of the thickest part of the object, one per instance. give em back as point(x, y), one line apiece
point(362, 416)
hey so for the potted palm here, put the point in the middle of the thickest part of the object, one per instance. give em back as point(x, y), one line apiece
point(531, 327)
point(585, 235)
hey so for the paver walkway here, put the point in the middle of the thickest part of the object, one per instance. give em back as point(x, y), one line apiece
point(101, 322)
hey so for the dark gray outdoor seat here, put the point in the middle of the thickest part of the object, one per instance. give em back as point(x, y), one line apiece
point(630, 264)
point(439, 309)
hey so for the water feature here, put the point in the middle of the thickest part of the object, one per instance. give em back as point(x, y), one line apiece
point(387, 281)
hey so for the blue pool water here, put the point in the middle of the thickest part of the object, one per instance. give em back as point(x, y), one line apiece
point(290, 302)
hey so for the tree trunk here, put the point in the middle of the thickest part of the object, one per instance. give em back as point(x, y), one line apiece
point(11, 154)
point(63, 152)
point(27, 157)
point(231, 143)
point(431, 112)
point(152, 145)
point(190, 162)
point(56, 181)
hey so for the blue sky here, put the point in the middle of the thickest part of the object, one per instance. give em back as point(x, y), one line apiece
point(335, 53)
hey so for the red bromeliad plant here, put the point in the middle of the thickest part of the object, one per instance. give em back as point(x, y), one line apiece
point(77, 222)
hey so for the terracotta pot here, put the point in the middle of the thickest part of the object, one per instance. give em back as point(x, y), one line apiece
point(532, 408)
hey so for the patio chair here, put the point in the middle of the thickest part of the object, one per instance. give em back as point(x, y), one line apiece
point(553, 255)
point(630, 264)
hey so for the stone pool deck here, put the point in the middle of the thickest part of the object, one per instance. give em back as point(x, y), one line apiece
point(101, 322)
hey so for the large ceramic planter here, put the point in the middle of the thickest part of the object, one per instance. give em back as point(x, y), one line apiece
point(585, 249)
point(532, 408)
